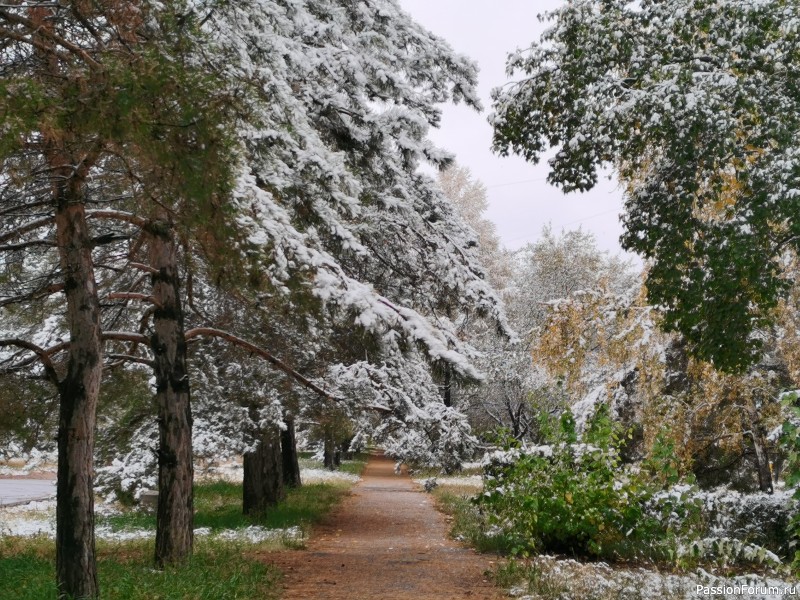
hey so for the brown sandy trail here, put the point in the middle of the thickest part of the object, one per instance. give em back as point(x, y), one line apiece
point(385, 542)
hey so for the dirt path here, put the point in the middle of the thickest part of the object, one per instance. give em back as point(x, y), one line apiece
point(385, 542)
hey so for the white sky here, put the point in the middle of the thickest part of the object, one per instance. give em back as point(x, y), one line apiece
point(521, 202)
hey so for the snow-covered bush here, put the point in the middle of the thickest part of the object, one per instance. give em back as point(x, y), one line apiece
point(574, 495)
point(568, 497)
point(441, 438)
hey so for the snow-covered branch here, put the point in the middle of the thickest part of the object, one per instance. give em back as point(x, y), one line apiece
point(258, 351)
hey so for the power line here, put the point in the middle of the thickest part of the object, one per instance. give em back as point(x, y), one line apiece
point(600, 214)
point(489, 187)
point(581, 220)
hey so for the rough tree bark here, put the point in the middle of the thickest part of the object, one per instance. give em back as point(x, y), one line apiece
point(291, 464)
point(175, 516)
point(447, 394)
point(752, 423)
point(329, 450)
point(76, 570)
point(262, 486)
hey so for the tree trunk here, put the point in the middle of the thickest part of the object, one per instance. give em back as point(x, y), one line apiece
point(175, 515)
point(291, 465)
point(344, 447)
point(762, 465)
point(76, 569)
point(262, 486)
point(328, 451)
point(447, 393)
point(760, 449)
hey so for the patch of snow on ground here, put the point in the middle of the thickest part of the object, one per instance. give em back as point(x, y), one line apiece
point(472, 465)
point(28, 527)
point(324, 475)
point(38, 519)
point(255, 534)
point(475, 481)
point(233, 472)
point(126, 535)
point(567, 578)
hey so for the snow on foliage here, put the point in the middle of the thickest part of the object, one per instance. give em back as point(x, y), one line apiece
point(694, 104)
point(329, 200)
point(412, 429)
point(329, 226)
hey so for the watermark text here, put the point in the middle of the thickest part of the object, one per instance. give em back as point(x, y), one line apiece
point(747, 590)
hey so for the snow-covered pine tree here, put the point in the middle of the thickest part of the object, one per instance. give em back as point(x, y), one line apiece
point(330, 189)
point(328, 211)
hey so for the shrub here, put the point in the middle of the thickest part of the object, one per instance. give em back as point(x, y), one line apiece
point(791, 441)
point(565, 496)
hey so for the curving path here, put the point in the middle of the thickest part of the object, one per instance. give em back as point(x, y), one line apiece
point(386, 541)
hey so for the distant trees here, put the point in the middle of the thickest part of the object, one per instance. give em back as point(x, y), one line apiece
point(694, 104)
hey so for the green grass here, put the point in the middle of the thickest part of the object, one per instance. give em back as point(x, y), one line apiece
point(468, 524)
point(218, 570)
point(218, 505)
point(356, 465)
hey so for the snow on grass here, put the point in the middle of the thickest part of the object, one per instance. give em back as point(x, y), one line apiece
point(257, 535)
point(566, 578)
point(326, 476)
point(462, 481)
point(38, 519)
point(233, 472)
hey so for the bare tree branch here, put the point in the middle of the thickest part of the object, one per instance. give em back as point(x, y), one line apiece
point(41, 354)
point(34, 28)
point(117, 215)
point(47, 290)
point(22, 229)
point(132, 296)
point(120, 358)
point(23, 245)
point(143, 267)
point(126, 336)
point(277, 363)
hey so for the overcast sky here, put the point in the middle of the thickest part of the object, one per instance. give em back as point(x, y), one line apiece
point(521, 201)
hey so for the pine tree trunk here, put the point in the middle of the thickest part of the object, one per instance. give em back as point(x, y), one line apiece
point(175, 515)
point(328, 451)
point(762, 460)
point(76, 569)
point(447, 393)
point(262, 486)
point(291, 464)
point(762, 466)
